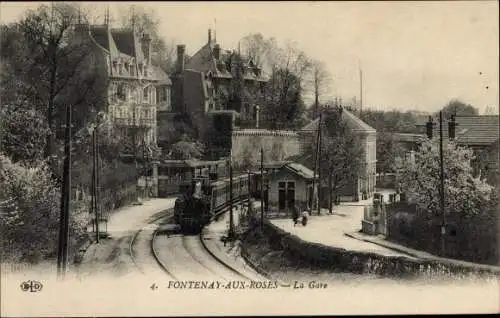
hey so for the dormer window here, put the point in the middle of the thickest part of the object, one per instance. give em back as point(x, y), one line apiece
point(127, 67)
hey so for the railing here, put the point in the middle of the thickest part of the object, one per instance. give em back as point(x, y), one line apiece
point(140, 122)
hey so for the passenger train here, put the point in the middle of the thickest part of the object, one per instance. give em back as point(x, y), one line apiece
point(201, 198)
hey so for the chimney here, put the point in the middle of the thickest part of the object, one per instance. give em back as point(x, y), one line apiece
point(209, 35)
point(181, 49)
point(146, 47)
point(217, 51)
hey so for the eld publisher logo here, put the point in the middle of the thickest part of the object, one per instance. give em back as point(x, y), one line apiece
point(31, 286)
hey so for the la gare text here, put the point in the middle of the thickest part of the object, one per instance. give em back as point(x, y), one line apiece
point(243, 285)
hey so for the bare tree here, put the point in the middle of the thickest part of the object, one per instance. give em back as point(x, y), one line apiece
point(321, 81)
point(261, 50)
point(54, 63)
point(147, 21)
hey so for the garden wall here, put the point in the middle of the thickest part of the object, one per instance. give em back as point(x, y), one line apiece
point(326, 257)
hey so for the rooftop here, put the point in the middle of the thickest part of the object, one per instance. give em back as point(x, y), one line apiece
point(293, 167)
point(472, 130)
point(352, 121)
point(124, 44)
point(205, 60)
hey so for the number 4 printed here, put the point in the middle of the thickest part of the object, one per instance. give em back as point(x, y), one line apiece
point(153, 287)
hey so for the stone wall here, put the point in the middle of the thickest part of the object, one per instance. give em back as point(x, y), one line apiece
point(277, 145)
point(327, 257)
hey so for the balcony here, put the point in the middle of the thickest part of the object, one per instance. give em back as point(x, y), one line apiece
point(137, 122)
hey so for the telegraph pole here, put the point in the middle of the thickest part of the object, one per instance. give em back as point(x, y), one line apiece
point(62, 255)
point(97, 185)
point(318, 158)
point(94, 184)
point(231, 220)
point(361, 90)
point(441, 156)
point(261, 188)
point(315, 165)
point(249, 185)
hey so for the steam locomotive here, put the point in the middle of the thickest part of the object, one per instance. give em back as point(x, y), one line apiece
point(201, 198)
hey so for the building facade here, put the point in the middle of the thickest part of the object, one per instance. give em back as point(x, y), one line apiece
point(288, 185)
point(481, 134)
point(136, 90)
point(213, 79)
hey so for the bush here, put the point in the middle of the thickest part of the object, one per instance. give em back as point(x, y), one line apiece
point(30, 226)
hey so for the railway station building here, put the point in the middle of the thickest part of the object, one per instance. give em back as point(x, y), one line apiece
point(287, 185)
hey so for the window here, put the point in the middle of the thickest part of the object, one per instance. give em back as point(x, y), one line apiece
point(120, 93)
point(145, 94)
point(152, 95)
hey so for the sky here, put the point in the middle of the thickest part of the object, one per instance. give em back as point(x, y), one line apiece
point(413, 55)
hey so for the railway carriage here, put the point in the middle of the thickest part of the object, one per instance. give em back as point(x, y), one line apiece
point(201, 198)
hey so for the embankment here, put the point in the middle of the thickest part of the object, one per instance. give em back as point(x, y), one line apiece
point(272, 248)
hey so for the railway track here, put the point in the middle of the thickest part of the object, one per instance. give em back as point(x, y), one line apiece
point(146, 237)
point(188, 256)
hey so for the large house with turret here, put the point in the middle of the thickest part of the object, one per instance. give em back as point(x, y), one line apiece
point(136, 89)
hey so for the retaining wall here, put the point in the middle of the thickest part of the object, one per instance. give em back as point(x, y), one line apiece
point(277, 145)
point(327, 257)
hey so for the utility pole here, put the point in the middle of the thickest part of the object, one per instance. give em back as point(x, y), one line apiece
point(97, 184)
point(318, 158)
point(441, 156)
point(146, 166)
point(95, 205)
point(361, 90)
point(261, 188)
point(315, 165)
point(249, 185)
point(62, 255)
point(231, 220)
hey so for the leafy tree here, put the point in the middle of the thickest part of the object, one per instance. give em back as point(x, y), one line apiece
point(387, 152)
point(186, 149)
point(465, 196)
point(459, 108)
point(23, 132)
point(31, 222)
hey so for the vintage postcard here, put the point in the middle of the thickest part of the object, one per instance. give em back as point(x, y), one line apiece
point(249, 158)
